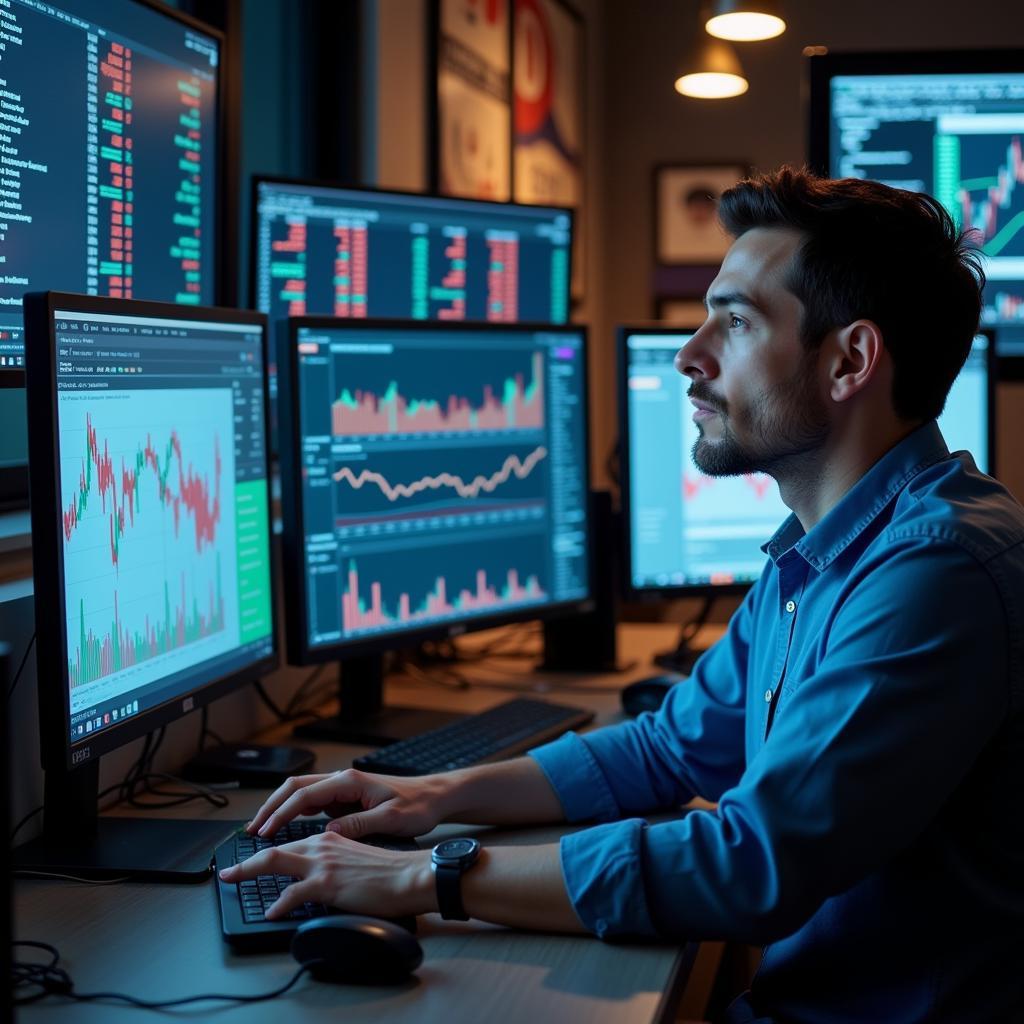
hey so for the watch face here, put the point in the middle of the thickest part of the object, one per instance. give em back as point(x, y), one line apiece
point(455, 848)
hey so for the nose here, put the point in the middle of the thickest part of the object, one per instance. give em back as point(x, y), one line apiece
point(696, 359)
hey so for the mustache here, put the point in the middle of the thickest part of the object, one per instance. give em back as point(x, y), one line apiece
point(701, 392)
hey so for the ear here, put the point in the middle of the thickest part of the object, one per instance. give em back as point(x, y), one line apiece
point(856, 353)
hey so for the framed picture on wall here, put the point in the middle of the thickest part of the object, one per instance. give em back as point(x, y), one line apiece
point(686, 228)
point(472, 122)
point(548, 112)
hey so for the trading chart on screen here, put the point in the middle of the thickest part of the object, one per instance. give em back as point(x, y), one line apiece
point(164, 507)
point(443, 475)
point(959, 138)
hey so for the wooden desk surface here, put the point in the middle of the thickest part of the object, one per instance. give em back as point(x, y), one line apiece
point(163, 941)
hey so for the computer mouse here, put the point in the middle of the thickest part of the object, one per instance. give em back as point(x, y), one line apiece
point(647, 694)
point(352, 949)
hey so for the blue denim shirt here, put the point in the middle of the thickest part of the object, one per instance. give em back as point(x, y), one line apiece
point(861, 728)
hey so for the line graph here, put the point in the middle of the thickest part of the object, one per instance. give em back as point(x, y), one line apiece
point(991, 215)
point(512, 466)
point(192, 494)
point(148, 512)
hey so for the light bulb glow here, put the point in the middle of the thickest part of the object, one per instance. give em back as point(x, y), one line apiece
point(745, 26)
point(711, 85)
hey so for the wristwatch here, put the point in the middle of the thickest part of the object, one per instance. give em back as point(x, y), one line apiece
point(450, 859)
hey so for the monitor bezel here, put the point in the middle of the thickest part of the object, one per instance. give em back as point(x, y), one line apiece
point(47, 535)
point(299, 651)
point(629, 591)
point(369, 191)
point(822, 68)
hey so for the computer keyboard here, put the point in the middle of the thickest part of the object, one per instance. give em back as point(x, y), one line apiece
point(243, 906)
point(507, 729)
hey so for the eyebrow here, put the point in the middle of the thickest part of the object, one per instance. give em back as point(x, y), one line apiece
point(721, 299)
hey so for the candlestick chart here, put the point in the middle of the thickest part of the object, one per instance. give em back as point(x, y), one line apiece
point(148, 521)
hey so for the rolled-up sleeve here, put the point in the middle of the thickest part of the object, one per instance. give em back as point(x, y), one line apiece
point(693, 746)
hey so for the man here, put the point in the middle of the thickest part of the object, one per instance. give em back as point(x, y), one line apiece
point(860, 726)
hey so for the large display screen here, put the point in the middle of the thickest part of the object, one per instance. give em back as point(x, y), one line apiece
point(956, 135)
point(164, 508)
point(443, 476)
point(687, 529)
point(108, 156)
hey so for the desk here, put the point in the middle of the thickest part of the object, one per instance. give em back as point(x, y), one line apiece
point(163, 941)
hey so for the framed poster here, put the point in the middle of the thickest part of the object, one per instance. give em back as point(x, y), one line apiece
point(686, 228)
point(548, 118)
point(473, 118)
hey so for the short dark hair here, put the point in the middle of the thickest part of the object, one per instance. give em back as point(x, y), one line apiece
point(876, 253)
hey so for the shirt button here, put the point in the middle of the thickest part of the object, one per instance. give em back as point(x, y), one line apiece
point(767, 696)
point(791, 606)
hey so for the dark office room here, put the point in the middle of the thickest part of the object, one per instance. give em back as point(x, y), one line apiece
point(590, 584)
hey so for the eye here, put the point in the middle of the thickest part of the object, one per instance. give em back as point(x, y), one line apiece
point(736, 323)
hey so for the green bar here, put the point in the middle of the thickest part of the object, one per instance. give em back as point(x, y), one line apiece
point(439, 294)
point(187, 143)
point(109, 192)
point(189, 89)
point(114, 99)
point(287, 270)
point(112, 153)
point(185, 221)
point(252, 533)
point(110, 125)
point(187, 298)
point(189, 166)
point(947, 174)
point(193, 276)
point(111, 267)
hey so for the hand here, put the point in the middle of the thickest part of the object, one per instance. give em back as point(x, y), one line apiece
point(360, 803)
point(345, 874)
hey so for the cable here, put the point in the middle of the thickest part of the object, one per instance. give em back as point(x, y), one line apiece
point(51, 979)
point(24, 821)
point(29, 873)
point(17, 675)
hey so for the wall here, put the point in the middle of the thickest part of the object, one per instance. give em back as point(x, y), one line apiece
point(648, 123)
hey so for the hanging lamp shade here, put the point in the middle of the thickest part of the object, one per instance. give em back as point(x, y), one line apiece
point(711, 71)
point(745, 21)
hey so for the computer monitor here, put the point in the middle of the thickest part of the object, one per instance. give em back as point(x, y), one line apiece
point(690, 534)
point(110, 132)
point(319, 248)
point(151, 548)
point(950, 124)
point(434, 481)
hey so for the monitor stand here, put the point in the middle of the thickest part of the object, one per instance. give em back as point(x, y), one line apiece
point(683, 657)
point(363, 718)
point(79, 843)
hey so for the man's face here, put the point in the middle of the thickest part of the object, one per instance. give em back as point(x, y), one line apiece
point(759, 403)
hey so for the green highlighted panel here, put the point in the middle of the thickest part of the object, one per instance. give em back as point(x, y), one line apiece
point(947, 175)
point(252, 532)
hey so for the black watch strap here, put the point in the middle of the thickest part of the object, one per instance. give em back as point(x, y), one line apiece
point(449, 892)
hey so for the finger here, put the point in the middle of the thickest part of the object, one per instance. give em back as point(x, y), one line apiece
point(306, 891)
point(278, 860)
point(378, 820)
point(307, 800)
point(278, 797)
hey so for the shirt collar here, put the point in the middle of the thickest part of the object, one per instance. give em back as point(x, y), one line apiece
point(861, 505)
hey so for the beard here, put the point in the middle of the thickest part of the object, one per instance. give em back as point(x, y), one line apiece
point(778, 426)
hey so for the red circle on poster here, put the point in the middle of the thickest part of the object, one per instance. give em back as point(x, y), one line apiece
point(533, 70)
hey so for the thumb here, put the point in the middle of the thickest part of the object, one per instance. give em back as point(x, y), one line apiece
point(363, 823)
